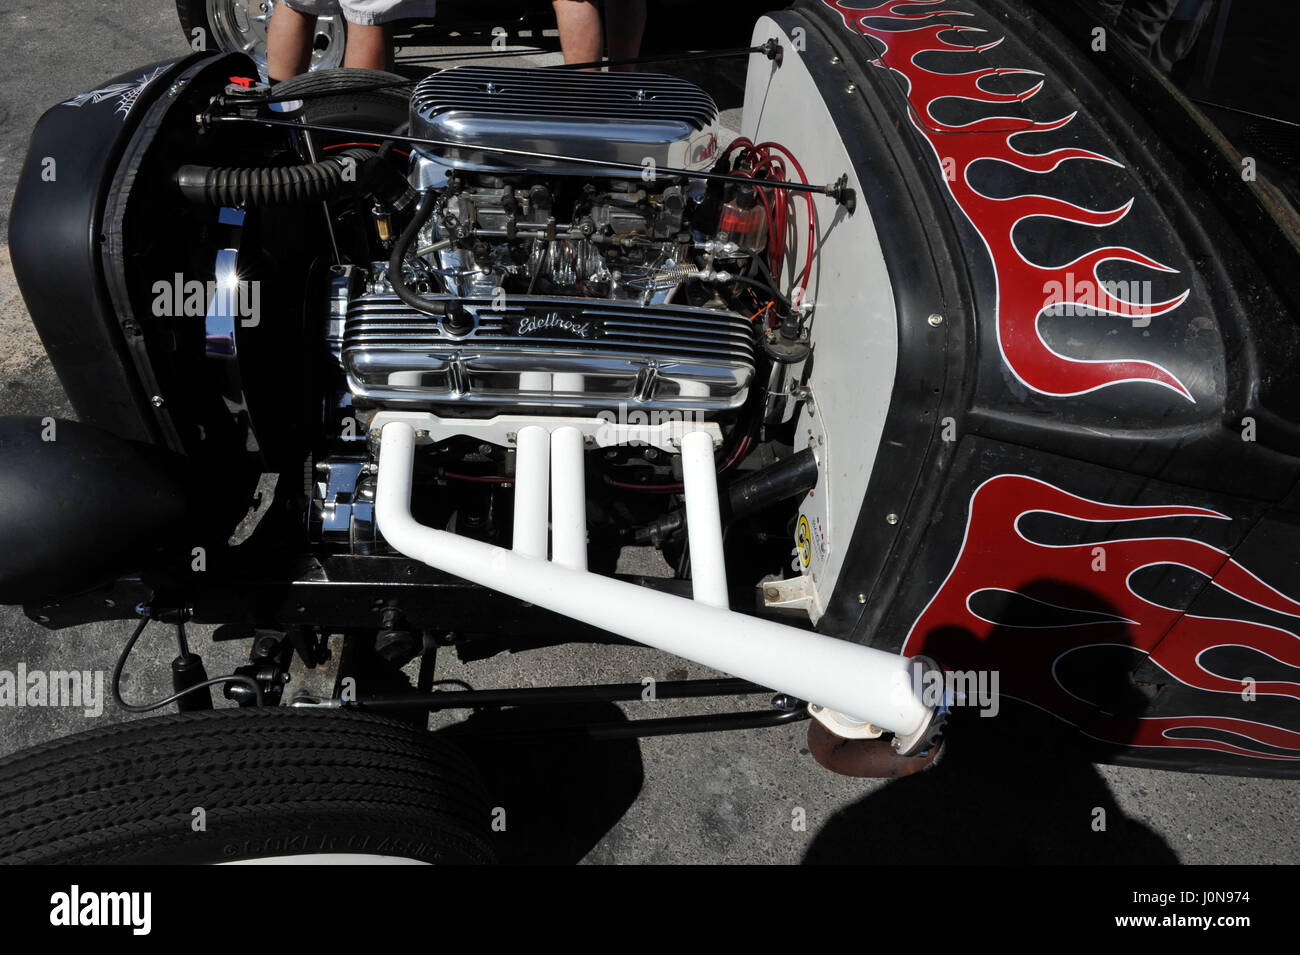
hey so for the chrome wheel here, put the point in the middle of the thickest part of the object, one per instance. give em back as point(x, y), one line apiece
point(240, 26)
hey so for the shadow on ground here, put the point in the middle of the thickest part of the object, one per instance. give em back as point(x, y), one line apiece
point(1007, 790)
point(1016, 788)
point(557, 796)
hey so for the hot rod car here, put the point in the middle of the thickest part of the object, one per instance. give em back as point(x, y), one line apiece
point(975, 352)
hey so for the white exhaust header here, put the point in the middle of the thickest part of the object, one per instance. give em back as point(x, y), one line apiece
point(868, 685)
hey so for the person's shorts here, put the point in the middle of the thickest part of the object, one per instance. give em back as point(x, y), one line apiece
point(366, 12)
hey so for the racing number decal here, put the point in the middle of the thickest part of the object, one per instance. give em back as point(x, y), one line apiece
point(803, 537)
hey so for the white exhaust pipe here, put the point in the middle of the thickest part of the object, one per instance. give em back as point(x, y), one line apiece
point(532, 465)
point(568, 499)
point(704, 520)
point(869, 685)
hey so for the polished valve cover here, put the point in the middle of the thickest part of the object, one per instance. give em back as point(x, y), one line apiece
point(549, 353)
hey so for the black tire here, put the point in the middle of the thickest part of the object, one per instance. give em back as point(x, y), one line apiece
point(271, 782)
point(346, 79)
point(380, 110)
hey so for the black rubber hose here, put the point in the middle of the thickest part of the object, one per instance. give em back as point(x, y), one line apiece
point(795, 475)
point(397, 260)
point(270, 185)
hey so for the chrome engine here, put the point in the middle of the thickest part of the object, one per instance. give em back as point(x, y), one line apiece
point(633, 118)
point(552, 354)
point(569, 281)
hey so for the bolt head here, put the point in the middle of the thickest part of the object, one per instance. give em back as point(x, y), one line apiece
point(935, 320)
point(891, 519)
point(157, 401)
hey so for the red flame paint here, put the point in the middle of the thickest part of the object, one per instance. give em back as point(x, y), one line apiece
point(996, 555)
point(1022, 287)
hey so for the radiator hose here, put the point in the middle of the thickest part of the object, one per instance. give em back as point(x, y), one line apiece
point(789, 478)
point(272, 185)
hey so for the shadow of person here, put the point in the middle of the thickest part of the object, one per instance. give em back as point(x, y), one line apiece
point(1015, 788)
point(553, 797)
